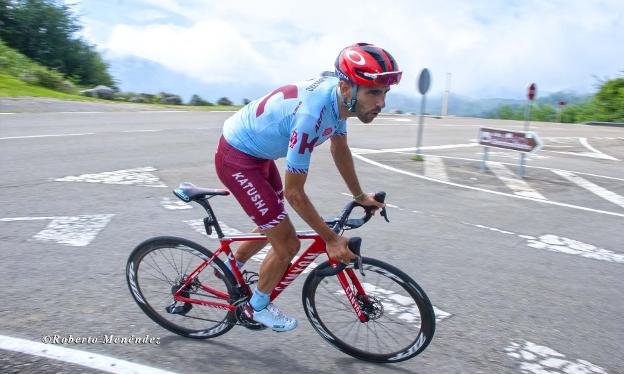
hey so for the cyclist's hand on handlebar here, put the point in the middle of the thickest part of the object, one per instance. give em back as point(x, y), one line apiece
point(338, 250)
point(369, 200)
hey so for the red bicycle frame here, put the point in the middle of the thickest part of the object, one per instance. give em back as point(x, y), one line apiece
point(294, 270)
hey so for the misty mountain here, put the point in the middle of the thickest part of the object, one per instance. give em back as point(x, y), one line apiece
point(465, 106)
point(143, 76)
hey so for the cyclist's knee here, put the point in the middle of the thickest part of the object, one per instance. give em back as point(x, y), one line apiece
point(293, 245)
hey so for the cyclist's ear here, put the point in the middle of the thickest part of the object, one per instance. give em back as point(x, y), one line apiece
point(345, 88)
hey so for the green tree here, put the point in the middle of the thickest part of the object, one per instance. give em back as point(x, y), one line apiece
point(609, 101)
point(44, 31)
point(543, 113)
point(224, 101)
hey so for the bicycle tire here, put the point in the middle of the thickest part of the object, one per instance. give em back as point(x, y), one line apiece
point(142, 265)
point(324, 308)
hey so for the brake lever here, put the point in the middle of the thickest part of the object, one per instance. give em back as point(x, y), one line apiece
point(358, 262)
point(384, 214)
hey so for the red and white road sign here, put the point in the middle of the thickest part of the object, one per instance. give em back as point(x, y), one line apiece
point(521, 141)
point(532, 91)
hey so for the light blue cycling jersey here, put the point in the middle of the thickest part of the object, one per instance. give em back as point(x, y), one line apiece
point(290, 121)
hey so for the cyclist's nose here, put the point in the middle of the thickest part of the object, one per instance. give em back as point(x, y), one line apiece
point(381, 103)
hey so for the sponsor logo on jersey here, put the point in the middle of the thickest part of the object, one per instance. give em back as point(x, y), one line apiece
point(305, 145)
point(319, 120)
point(293, 139)
point(315, 84)
point(297, 108)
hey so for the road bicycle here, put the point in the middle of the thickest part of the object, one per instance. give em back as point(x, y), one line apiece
point(368, 309)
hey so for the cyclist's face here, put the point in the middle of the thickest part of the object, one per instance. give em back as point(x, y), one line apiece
point(370, 101)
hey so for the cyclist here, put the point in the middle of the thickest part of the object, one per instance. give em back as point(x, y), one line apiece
point(289, 122)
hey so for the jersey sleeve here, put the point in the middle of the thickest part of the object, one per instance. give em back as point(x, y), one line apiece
point(342, 128)
point(303, 138)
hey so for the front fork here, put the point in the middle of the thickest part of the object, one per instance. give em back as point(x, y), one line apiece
point(354, 299)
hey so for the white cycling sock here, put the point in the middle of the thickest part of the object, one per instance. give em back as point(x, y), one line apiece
point(239, 264)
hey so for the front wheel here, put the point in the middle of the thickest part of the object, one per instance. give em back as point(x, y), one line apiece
point(401, 321)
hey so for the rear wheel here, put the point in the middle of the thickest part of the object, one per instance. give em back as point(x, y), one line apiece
point(401, 321)
point(158, 267)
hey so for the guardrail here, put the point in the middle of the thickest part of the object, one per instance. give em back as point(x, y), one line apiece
point(593, 123)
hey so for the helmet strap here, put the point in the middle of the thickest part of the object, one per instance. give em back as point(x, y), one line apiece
point(353, 101)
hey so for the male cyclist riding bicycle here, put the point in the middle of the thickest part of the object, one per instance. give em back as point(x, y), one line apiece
point(289, 122)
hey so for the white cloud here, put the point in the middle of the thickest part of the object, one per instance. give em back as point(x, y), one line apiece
point(491, 48)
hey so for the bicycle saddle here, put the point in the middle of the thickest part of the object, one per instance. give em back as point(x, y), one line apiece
point(188, 192)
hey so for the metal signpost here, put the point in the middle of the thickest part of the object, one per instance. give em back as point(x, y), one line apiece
point(424, 82)
point(527, 117)
point(520, 141)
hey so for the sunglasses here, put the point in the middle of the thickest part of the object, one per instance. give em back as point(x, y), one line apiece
point(384, 79)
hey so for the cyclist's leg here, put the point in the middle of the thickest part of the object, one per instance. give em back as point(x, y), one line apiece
point(283, 239)
point(248, 249)
point(285, 245)
point(252, 181)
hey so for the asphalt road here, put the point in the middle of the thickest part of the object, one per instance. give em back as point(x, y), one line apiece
point(525, 277)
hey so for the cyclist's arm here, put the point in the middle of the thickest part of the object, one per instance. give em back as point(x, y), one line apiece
point(344, 163)
point(298, 199)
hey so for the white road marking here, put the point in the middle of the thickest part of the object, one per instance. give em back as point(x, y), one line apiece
point(176, 204)
point(594, 188)
point(555, 243)
point(76, 112)
point(484, 190)
point(163, 111)
point(515, 183)
point(400, 306)
point(490, 228)
point(586, 145)
point(132, 131)
point(539, 359)
point(434, 168)
point(534, 167)
point(72, 231)
point(600, 156)
point(138, 176)
point(408, 149)
point(7, 113)
point(44, 136)
point(74, 356)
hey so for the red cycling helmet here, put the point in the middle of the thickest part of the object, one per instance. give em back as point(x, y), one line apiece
point(367, 65)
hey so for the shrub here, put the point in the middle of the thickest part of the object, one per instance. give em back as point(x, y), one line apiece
point(224, 101)
point(198, 101)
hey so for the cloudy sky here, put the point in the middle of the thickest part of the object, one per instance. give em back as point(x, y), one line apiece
point(492, 48)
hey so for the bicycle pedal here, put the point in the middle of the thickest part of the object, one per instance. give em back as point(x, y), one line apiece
point(242, 318)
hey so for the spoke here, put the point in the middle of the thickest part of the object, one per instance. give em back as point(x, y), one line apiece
point(169, 262)
point(333, 294)
point(147, 274)
point(156, 267)
point(392, 335)
point(351, 324)
point(187, 266)
point(347, 308)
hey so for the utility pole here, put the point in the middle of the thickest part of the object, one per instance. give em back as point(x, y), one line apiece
point(445, 98)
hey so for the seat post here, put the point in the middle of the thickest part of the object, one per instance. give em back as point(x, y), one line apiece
point(211, 220)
